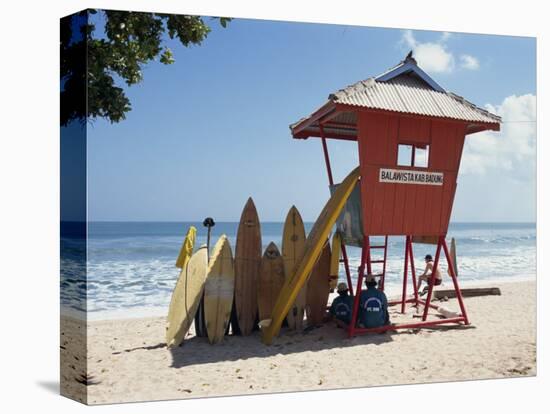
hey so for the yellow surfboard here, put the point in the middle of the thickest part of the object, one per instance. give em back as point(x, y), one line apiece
point(186, 297)
point(294, 241)
point(335, 261)
point(314, 244)
point(187, 247)
point(174, 308)
point(218, 290)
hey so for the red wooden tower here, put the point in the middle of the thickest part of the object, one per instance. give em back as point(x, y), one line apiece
point(410, 134)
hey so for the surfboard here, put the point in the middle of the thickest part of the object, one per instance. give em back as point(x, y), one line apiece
point(335, 261)
point(272, 278)
point(318, 288)
point(200, 327)
point(294, 239)
point(453, 255)
point(186, 297)
point(184, 255)
point(218, 290)
point(248, 255)
point(187, 247)
point(312, 250)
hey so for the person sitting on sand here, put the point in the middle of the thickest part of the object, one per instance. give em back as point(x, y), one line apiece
point(342, 305)
point(373, 306)
point(427, 275)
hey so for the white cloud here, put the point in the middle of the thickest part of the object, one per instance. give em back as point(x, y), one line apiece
point(430, 56)
point(512, 151)
point(435, 56)
point(469, 62)
point(409, 39)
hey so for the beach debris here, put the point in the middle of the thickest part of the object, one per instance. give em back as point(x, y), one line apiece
point(447, 313)
point(467, 293)
point(187, 390)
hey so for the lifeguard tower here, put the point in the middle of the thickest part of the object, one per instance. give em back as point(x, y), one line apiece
point(410, 134)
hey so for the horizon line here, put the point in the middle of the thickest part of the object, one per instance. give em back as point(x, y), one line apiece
point(268, 221)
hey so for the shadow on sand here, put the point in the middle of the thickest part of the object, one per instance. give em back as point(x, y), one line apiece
point(197, 350)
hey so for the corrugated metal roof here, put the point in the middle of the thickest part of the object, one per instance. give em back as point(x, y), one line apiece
point(407, 93)
point(405, 88)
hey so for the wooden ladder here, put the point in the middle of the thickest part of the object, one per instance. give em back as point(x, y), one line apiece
point(381, 275)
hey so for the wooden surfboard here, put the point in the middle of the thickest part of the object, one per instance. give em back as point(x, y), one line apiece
point(272, 278)
point(294, 239)
point(186, 297)
point(248, 255)
point(335, 261)
point(218, 290)
point(312, 250)
point(318, 288)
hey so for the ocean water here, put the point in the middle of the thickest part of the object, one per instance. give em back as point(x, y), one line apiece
point(131, 266)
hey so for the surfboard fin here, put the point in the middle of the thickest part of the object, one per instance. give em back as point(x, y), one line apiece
point(264, 323)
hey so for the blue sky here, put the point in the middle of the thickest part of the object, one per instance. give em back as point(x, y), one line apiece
point(212, 129)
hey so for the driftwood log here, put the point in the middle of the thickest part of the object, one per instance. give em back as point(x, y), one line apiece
point(467, 293)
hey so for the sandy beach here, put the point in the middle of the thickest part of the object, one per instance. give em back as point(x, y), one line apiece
point(128, 361)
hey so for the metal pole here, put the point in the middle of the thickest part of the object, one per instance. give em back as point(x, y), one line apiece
point(325, 152)
point(383, 278)
point(346, 266)
point(364, 252)
point(208, 223)
point(200, 327)
point(413, 274)
point(404, 296)
point(455, 283)
point(413, 325)
point(366, 242)
point(432, 278)
point(208, 244)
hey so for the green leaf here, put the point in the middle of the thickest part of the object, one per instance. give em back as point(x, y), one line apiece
point(131, 40)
